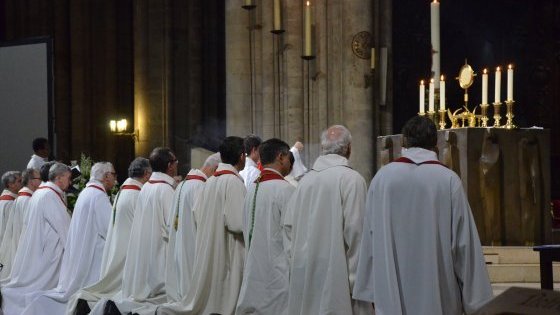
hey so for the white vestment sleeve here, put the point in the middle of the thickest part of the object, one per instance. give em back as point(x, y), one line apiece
point(102, 220)
point(166, 205)
point(354, 195)
point(235, 201)
point(287, 223)
point(363, 288)
point(469, 265)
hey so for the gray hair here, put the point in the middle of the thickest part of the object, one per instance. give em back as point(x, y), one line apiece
point(138, 167)
point(336, 140)
point(213, 160)
point(57, 169)
point(10, 177)
point(28, 175)
point(99, 169)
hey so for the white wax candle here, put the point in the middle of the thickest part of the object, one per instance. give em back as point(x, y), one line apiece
point(277, 15)
point(422, 97)
point(373, 58)
point(431, 96)
point(435, 38)
point(510, 83)
point(497, 85)
point(307, 44)
point(442, 93)
point(485, 86)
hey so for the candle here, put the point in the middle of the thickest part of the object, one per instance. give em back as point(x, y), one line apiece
point(422, 96)
point(277, 15)
point(442, 93)
point(510, 83)
point(372, 58)
point(307, 44)
point(431, 97)
point(485, 86)
point(435, 36)
point(497, 86)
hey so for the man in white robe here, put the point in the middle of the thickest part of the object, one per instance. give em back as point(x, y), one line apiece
point(182, 230)
point(218, 266)
point(81, 261)
point(41, 151)
point(12, 183)
point(420, 253)
point(265, 278)
point(118, 237)
point(144, 268)
point(323, 226)
point(10, 241)
point(38, 258)
point(251, 171)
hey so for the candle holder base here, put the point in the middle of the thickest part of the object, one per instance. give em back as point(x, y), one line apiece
point(277, 32)
point(483, 114)
point(249, 7)
point(308, 57)
point(432, 115)
point(497, 117)
point(509, 115)
point(442, 122)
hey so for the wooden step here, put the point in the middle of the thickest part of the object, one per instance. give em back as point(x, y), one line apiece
point(511, 254)
point(503, 273)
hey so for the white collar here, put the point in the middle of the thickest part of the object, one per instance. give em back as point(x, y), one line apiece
point(419, 155)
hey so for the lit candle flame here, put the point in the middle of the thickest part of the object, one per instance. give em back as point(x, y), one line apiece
point(498, 69)
point(442, 78)
point(485, 71)
point(421, 82)
point(510, 66)
point(307, 3)
point(431, 80)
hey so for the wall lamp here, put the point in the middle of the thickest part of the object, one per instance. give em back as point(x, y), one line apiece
point(119, 127)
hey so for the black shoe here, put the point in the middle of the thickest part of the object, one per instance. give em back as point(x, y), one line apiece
point(82, 308)
point(111, 309)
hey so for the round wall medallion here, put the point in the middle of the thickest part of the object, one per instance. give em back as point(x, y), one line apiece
point(361, 45)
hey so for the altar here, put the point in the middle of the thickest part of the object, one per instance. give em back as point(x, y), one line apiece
point(506, 175)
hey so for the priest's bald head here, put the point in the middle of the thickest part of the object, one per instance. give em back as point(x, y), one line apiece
point(420, 132)
point(163, 160)
point(336, 140)
point(232, 152)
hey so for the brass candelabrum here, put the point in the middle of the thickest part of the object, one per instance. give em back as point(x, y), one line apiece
point(442, 123)
point(483, 115)
point(509, 115)
point(497, 115)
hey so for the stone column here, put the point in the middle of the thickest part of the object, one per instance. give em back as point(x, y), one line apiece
point(151, 68)
point(301, 98)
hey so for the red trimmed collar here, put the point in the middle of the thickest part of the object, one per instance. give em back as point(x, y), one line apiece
point(267, 175)
point(196, 177)
point(7, 197)
point(56, 192)
point(403, 159)
point(132, 187)
point(25, 193)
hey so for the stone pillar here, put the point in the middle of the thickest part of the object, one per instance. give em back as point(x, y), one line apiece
point(151, 74)
point(297, 99)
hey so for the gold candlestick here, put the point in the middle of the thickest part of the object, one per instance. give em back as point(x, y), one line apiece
point(497, 116)
point(509, 115)
point(483, 113)
point(442, 123)
point(432, 115)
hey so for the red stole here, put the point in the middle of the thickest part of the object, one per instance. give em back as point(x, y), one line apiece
point(132, 187)
point(56, 192)
point(24, 193)
point(403, 159)
point(195, 177)
point(7, 197)
point(267, 175)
